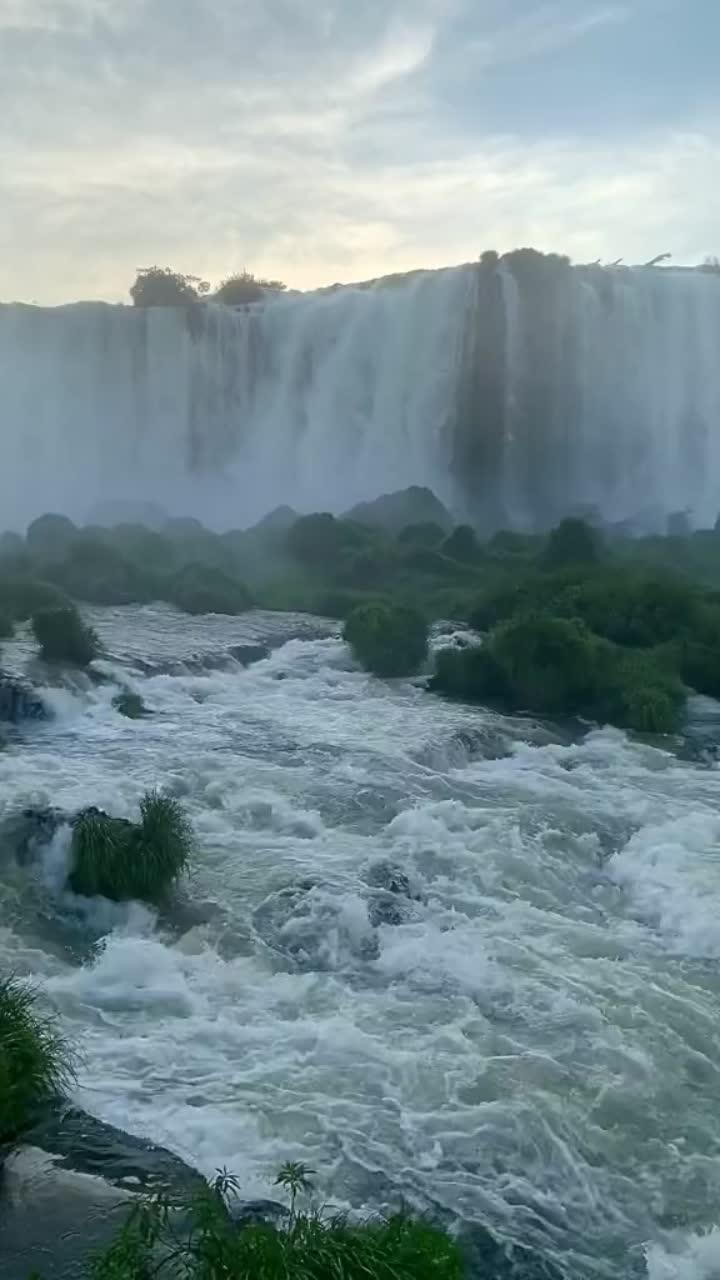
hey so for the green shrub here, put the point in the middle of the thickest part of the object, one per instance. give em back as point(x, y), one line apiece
point(387, 639)
point(556, 666)
point(471, 673)
point(548, 662)
point(635, 690)
point(630, 608)
point(308, 1246)
point(461, 544)
point(21, 597)
point(130, 705)
point(574, 541)
point(200, 589)
point(35, 1064)
point(50, 535)
point(117, 859)
point(427, 534)
point(96, 571)
point(6, 626)
point(64, 637)
point(321, 542)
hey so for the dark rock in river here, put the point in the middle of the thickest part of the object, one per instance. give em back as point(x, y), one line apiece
point(62, 1194)
point(19, 701)
point(24, 832)
point(249, 653)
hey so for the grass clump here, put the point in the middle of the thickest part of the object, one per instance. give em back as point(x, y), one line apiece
point(64, 637)
point(35, 1064)
point(308, 1246)
point(387, 639)
point(117, 859)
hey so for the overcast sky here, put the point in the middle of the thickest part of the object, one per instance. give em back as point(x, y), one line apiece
point(323, 140)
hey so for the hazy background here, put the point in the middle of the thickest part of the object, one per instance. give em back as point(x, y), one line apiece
point(336, 140)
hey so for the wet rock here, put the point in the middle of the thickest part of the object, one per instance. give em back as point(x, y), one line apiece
point(249, 1213)
point(387, 908)
point(64, 1192)
point(384, 875)
point(316, 928)
point(24, 833)
point(19, 701)
point(249, 653)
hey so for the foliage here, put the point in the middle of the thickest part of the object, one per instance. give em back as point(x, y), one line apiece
point(549, 665)
point(243, 287)
point(6, 626)
point(20, 598)
point(64, 637)
point(117, 859)
point(162, 287)
point(35, 1064)
point(200, 588)
point(427, 534)
point(461, 544)
point(130, 705)
point(50, 535)
point(387, 639)
point(205, 1244)
point(574, 541)
point(321, 542)
point(97, 571)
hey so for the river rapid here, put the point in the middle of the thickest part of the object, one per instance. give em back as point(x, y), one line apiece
point(436, 953)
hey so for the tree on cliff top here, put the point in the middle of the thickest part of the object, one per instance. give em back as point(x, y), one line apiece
point(244, 287)
point(162, 287)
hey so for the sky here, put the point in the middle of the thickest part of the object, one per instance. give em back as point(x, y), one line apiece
point(323, 140)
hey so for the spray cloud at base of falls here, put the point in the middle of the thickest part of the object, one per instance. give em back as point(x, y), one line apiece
point(516, 390)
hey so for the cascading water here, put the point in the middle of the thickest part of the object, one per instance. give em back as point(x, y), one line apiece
point(516, 391)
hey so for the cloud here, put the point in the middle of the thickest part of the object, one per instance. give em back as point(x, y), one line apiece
point(313, 142)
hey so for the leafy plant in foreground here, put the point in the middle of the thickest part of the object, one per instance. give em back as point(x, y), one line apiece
point(35, 1063)
point(207, 1244)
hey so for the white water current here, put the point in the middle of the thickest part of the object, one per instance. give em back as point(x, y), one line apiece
point(529, 1040)
point(563, 388)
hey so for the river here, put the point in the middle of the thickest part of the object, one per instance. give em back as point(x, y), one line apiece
point(431, 951)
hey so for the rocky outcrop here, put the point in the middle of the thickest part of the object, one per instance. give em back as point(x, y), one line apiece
point(19, 701)
point(62, 1194)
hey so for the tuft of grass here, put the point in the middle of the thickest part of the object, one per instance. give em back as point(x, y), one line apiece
point(387, 639)
point(310, 1246)
point(35, 1063)
point(130, 705)
point(117, 859)
point(64, 637)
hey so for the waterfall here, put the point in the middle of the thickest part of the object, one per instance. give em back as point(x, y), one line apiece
point(516, 390)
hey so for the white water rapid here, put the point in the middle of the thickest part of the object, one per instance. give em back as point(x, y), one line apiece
point(515, 393)
point(526, 1036)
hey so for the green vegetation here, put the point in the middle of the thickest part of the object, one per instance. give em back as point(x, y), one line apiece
point(118, 859)
point(387, 639)
point(243, 287)
point(557, 666)
point(35, 1064)
point(204, 589)
point(6, 626)
point(64, 637)
point(204, 1243)
point(655, 597)
point(162, 287)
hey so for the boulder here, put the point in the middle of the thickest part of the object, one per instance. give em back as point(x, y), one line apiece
point(19, 701)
